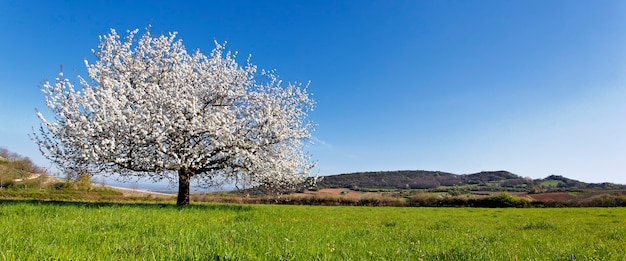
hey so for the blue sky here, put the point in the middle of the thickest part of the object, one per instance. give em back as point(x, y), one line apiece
point(532, 87)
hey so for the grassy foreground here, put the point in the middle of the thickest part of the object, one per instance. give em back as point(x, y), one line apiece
point(39, 230)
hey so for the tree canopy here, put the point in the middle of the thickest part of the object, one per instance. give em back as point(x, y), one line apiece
point(148, 108)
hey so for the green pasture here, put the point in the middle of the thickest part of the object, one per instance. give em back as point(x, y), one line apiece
point(38, 230)
point(551, 183)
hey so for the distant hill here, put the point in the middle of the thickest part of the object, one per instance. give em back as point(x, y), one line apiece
point(14, 166)
point(437, 180)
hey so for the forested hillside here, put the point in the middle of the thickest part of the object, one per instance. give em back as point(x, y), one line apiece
point(433, 180)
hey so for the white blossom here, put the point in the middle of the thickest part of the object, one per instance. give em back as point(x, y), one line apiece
point(150, 109)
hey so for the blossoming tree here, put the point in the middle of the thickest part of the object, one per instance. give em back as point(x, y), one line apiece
point(150, 109)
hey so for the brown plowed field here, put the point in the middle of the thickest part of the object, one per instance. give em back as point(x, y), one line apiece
point(338, 191)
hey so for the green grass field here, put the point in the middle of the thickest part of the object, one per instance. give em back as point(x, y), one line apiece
point(36, 230)
point(551, 183)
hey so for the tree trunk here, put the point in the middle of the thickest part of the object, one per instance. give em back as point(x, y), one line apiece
point(184, 176)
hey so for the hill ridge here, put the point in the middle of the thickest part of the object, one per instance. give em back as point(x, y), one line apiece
point(499, 180)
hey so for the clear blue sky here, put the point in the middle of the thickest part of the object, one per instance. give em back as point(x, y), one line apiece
point(532, 87)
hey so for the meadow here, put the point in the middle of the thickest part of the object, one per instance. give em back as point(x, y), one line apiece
point(53, 230)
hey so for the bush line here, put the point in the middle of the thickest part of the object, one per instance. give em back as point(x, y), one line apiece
point(503, 200)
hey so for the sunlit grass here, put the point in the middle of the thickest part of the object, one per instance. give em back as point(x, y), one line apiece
point(33, 230)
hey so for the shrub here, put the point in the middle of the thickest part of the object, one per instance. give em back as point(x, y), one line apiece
point(503, 200)
point(423, 200)
point(83, 181)
point(606, 201)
